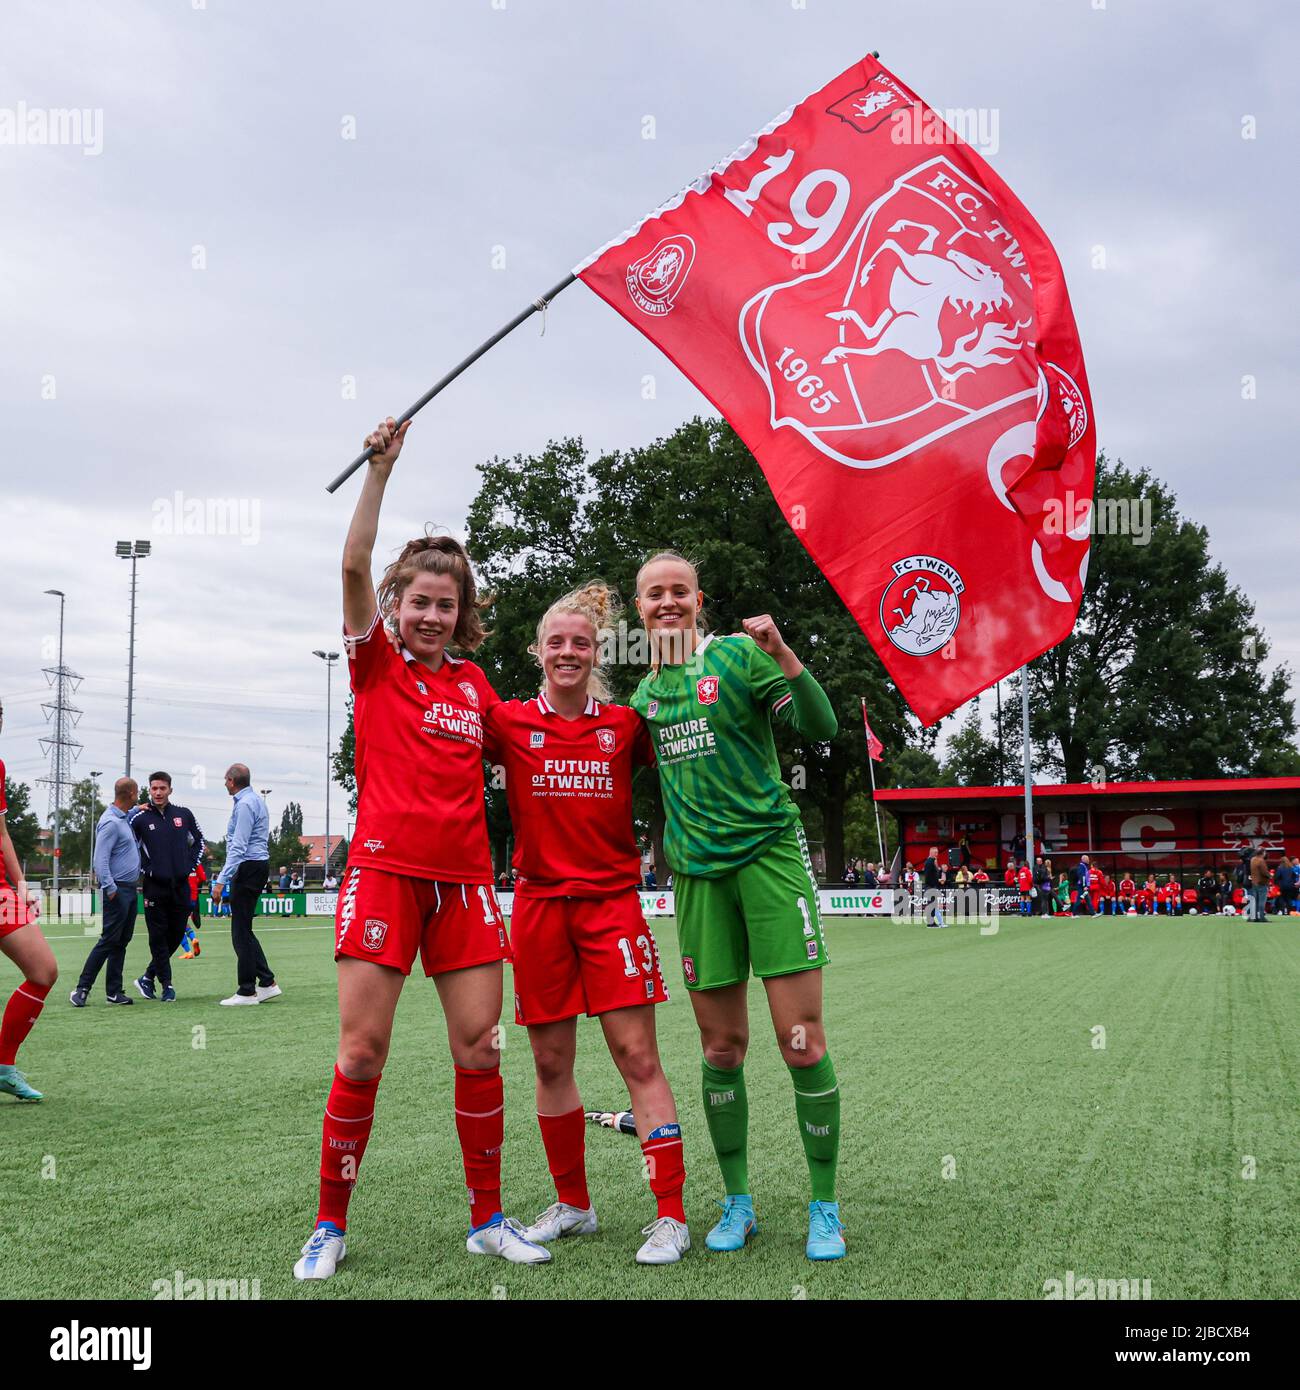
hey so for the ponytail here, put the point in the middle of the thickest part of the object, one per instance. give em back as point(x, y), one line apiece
point(601, 606)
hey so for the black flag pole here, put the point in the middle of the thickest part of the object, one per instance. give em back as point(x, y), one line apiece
point(535, 307)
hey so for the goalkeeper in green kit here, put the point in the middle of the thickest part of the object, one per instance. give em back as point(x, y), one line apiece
point(745, 893)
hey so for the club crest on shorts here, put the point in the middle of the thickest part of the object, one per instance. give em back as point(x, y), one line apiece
point(921, 606)
point(706, 690)
point(654, 281)
point(470, 693)
point(688, 969)
point(605, 740)
point(372, 938)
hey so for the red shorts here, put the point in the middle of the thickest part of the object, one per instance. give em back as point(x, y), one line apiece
point(388, 918)
point(14, 912)
point(582, 955)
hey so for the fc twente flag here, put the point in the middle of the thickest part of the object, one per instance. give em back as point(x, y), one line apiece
point(888, 330)
point(874, 746)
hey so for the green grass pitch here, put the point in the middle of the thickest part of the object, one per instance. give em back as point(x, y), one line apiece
point(991, 1143)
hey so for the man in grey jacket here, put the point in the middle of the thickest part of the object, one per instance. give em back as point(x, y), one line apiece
point(117, 866)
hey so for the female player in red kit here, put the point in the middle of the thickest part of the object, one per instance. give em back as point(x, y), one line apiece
point(419, 873)
point(580, 942)
point(23, 942)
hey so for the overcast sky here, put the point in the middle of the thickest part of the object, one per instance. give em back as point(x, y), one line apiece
point(180, 306)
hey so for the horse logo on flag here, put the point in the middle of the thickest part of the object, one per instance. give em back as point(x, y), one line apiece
point(921, 605)
point(916, 329)
point(865, 108)
point(654, 280)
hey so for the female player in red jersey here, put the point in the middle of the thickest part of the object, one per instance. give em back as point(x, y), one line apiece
point(580, 942)
point(419, 874)
point(23, 942)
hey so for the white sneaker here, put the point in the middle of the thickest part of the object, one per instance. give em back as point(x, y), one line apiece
point(560, 1219)
point(669, 1241)
point(265, 992)
point(322, 1254)
point(242, 999)
point(506, 1239)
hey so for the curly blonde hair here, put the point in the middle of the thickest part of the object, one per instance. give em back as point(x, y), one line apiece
point(433, 554)
point(600, 605)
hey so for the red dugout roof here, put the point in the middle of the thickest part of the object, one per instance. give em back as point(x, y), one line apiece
point(1212, 786)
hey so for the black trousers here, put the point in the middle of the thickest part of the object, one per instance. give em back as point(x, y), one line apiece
point(244, 889)
point(166, 910)
point(114, 937)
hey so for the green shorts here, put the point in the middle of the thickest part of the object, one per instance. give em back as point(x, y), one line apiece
point(763, 915)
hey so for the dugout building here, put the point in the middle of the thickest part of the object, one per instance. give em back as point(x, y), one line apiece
point(1157, 827)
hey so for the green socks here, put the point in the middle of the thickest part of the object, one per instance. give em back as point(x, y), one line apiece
point(817, 1106)
point(726, 1110)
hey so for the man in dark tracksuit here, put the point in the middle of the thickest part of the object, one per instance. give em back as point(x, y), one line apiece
point(171, 845)
point(932, 880)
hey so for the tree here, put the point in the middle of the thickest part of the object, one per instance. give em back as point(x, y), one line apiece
point(1164, 673)
point(344, 761)
point(286, 846)
point(542, 524)
point(23, 825)
point(972, 759)
point(83, 813)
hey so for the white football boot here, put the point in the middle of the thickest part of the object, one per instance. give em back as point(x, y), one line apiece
point(669, 1241)
point(559, 1220)
point(322, 1254)
point(506, 1240)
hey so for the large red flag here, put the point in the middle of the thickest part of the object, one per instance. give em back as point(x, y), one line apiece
point(888, 330)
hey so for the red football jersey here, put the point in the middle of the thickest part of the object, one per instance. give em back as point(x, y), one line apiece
point(1025, 878)
point(1126, 887)
point(419, 763)
point(569, 786)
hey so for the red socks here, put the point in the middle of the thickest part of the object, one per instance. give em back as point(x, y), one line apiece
point(480, 1124)
point(565, 1140)
point(21, 1012)
point(666, 1169)
point(349, 1114)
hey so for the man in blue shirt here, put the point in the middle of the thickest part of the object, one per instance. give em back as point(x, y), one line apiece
point(242, 879)
point(117, 866)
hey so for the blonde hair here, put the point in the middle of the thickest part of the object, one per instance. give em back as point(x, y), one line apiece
point(430, 554)
point(600, 605)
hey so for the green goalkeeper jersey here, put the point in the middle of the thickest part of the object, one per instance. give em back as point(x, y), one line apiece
point(711, 718)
